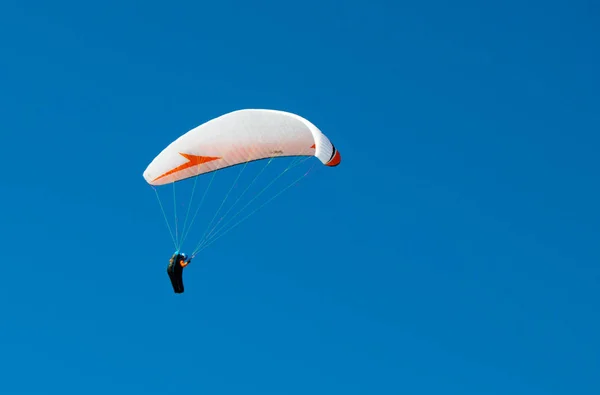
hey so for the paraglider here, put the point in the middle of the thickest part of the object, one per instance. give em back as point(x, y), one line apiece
point(175, 270)
point(232, 139)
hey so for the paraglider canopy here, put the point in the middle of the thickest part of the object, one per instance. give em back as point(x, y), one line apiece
point(238, 137)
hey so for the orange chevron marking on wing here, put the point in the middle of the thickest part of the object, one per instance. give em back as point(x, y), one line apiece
point(193, 160)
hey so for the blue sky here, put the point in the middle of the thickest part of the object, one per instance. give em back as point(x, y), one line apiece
point(454, 251)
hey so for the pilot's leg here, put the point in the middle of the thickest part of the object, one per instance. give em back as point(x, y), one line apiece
point(173, 277)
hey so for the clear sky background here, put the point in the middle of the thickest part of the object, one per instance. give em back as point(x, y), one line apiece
point(454, 251)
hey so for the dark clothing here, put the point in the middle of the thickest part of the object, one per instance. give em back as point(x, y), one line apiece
point(175, 271)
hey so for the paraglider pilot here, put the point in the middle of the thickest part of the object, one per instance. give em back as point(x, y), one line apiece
point(175, 270)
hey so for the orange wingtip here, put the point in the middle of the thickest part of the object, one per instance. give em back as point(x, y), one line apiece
point(337, 158)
